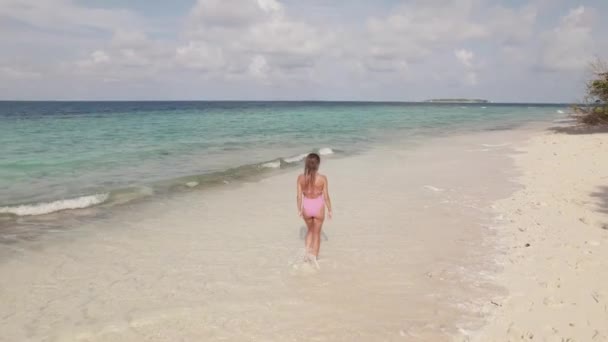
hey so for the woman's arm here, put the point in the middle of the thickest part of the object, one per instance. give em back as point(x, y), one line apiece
point(326, 197)
point(299, 196)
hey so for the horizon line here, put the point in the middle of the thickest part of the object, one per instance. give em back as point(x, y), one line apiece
point(428, 101)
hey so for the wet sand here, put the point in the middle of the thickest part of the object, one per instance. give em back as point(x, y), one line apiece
point(405, 257)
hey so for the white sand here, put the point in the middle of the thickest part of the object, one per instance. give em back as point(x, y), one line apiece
point(558, 285)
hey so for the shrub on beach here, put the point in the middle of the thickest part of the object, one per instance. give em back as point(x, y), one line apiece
point(595, 109)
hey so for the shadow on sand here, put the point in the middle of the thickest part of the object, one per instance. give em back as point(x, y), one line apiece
point(303, 231)
point(602, 203)
point(602, 195)
point(579, 129)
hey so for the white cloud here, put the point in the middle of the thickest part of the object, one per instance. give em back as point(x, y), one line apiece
point(258, 67)
point(129, 39)
point(385, 65)
point(255, 36)
point(123, 62)
point(270, 5)
point(99, 57)
point(229, 14)
point(68, 38)
point(356, 48)
point(412, 32)
point(65, 15)
point(200, 56)
point(465, 57)
point(512, 26)
point(569, 46)
point(228, 40)
point(15, 73)
point(471, 78)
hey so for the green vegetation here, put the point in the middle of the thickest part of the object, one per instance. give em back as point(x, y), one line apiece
point(594, 111)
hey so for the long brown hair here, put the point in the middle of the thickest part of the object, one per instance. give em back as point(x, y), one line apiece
point(311, 166)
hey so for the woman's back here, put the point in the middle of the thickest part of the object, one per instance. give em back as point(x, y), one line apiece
point(312, 190)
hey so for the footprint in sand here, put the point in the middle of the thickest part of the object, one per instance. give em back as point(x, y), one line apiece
point(303, 269)
point(598, 296)
point(514, 334)
point(553, 302)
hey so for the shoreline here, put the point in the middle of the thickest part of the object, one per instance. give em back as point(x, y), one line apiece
point(550, 240)
point(411, 254)
point(102, 202)
point(113, 196)
point(488, 236)
point(89, 207)
point(37, 182)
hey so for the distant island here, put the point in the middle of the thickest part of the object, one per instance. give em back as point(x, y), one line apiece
point(457, 101)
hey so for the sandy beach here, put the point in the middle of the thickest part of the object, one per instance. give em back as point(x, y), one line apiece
point(553, 239)
point(401, 260)
point(489, 236)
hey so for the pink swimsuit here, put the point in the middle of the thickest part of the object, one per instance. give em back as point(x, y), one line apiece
point(312, 206)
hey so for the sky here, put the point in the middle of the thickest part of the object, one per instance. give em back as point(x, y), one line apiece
point(381, 50)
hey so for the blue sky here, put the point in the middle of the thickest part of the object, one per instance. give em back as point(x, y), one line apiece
point(517, 50)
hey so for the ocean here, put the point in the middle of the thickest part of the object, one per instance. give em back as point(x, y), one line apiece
point(70, 155)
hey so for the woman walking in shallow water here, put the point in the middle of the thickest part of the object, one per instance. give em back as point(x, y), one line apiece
point(312, 198)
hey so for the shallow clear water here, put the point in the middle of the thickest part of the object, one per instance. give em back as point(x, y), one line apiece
point(406, 247)
point(82, 151)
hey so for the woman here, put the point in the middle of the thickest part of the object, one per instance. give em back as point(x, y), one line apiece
point(312, 198)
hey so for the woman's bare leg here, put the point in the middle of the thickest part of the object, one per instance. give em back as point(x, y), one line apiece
point(317, 226)
point(310, 223)
point(316, 241)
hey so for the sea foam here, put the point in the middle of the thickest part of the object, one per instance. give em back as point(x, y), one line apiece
point(51, 207)
point(272, 164)
point(294, 159)
point(325, 151)
point(496, 145)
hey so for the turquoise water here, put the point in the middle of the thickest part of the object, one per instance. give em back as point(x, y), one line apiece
point(61, 155)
